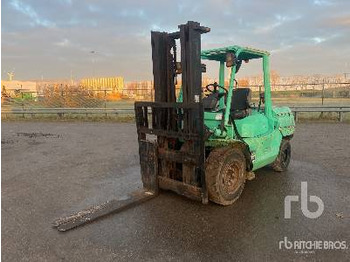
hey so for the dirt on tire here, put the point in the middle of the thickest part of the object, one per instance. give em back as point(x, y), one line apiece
point(219, 160)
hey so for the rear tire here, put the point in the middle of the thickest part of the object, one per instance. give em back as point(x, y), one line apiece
point(283, 159)
point(225, 175)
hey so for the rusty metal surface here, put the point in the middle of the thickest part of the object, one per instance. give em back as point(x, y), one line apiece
point(178, 156)
point(149, 165)
point(95, 212)
point(178, 126)
point(181, 188)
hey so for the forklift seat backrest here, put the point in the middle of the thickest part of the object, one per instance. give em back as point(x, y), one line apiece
point(240, 105)
point(211, 101)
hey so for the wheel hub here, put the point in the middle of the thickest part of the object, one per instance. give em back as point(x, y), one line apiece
point(230, 177)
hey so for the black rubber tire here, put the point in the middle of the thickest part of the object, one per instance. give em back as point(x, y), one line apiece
point(283, 159)
point(225, 175)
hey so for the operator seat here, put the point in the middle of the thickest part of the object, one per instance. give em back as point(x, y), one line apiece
point(210, 102)
point(240, 105)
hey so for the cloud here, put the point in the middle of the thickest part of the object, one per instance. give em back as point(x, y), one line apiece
point(323, 2)
point(93, 8)
point(35, 33)
point(278, 21)
point(65, 42)
point(342, 21)
point(27, 10)
point(318, 40)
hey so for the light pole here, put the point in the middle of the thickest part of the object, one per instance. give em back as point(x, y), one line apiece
point(93, 52)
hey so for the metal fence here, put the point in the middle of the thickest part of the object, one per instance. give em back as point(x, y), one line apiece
point(317, 93)
point(81, 100)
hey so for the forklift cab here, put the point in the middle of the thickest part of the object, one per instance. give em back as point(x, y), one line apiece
point(225, 107)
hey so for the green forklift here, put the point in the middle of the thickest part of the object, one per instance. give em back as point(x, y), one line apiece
point(203, 147)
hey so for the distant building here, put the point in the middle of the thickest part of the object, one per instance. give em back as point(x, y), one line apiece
point(111, 84)
point(22, 86)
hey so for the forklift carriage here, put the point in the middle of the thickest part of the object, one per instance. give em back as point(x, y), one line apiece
point(175, 160)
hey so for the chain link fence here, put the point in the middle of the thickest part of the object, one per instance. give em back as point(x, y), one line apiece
point(80, 99)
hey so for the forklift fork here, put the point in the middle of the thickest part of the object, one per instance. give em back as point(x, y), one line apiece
point(174, 159)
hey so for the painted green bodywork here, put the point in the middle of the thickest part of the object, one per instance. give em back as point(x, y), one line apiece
point(262, 131)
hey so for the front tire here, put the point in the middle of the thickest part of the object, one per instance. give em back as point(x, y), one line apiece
point(283, 159)
point(225, 175)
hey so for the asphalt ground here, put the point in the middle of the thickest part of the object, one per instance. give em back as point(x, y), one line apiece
point(53, 169)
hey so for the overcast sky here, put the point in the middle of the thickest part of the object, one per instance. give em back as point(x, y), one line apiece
point(54, 38)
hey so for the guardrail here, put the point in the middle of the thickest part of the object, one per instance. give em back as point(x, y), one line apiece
point(320, 109)
point(130, 111)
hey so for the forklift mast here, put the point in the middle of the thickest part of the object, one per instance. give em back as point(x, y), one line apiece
point(174, 159)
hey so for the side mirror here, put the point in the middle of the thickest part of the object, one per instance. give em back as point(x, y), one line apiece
point(262, 97)
point(230, 59)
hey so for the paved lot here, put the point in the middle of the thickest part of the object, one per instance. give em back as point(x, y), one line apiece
point(54, 169)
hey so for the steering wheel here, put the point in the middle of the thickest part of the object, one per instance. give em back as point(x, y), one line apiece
point(215, 85)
